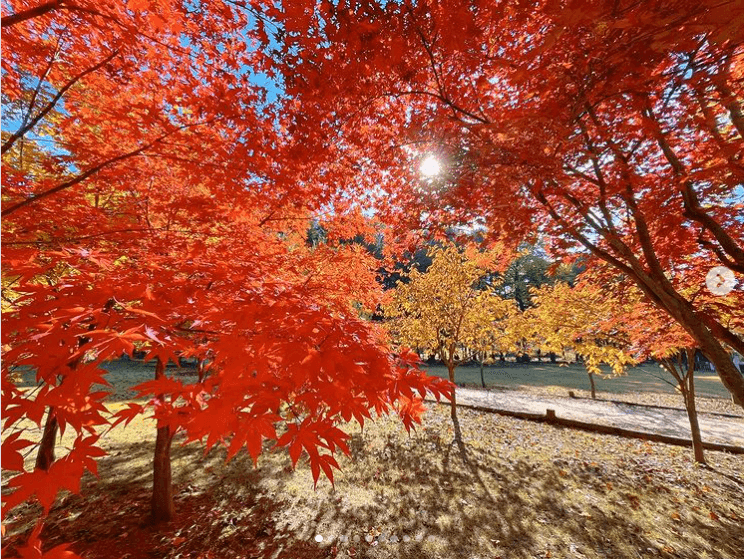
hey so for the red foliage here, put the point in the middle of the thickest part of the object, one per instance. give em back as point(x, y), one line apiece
point(32, 550)
point(169, 216)
point(611, 128)
point(170, 213)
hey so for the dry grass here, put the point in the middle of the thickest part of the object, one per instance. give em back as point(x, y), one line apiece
point(525, 490)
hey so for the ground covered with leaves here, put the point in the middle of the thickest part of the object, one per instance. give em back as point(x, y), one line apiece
point(523, 490)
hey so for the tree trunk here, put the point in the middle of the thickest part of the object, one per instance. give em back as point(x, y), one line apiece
point(716, 354)
point(688, 392)
point(201, 369)
point(163, 508)
point(708, 335)
point(483, 380)
point(686, 385)
point(162, 489)
point(45, 456)
point(594, 390)
point(453, 403)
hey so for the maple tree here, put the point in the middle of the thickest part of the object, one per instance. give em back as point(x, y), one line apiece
point(582, 318)
point(168, 216)
point(614, 128)
point(442, 311)
point(606, 318)
point(168, 213)
point(652, 335)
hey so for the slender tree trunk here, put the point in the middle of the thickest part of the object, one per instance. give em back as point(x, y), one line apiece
point(162, 491)
point(453, 403)
point(594, 390)
point(200, 369)
point(163, 508)
point(45, 455)
point(689, 395)
point(483, 380)
point(686, 385)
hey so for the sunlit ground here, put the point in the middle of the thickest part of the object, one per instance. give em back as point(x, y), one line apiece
point(527, 490)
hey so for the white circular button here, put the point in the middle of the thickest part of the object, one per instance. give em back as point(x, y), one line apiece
point(720, 280)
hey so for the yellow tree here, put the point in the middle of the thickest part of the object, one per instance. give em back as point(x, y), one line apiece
point(504, 336)
point(444, 310)
point(583, 318)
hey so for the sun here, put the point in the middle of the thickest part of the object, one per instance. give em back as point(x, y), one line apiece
point(430, 167)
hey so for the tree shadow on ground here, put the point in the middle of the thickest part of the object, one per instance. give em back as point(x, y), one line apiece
point(221, 511)
point(493, 504)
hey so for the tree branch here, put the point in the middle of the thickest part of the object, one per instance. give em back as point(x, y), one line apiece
point(693, 209)
point(601, 184)
point(49, 106)
point(40, 10)
point(93, 170)
point(728, 97)
point(571, 230)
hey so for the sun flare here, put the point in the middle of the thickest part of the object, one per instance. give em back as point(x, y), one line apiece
point(430, 166)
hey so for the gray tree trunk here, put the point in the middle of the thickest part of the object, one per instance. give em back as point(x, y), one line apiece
point(594, 390)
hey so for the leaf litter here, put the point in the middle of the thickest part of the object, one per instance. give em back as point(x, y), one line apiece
point(524, 490)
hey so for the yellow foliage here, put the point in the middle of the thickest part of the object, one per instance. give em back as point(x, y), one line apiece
point(443, 310)
point(584, 318)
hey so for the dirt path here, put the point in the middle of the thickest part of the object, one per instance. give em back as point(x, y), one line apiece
point(715, 428)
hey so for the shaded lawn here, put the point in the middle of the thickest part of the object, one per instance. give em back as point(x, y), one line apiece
point(646, 378)
point(527, 490)
point(124, 374)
